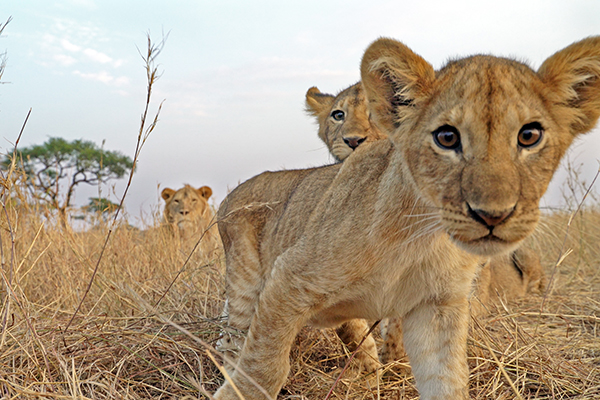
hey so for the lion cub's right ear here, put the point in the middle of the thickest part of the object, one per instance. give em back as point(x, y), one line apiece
point(394, 78)
point(573, 77)
point(317, 102)
point(167, 193)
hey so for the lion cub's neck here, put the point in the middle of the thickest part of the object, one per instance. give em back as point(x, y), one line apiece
point(398, 212)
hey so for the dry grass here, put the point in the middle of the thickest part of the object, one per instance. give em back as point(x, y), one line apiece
point(144, 326)
point(122, 345)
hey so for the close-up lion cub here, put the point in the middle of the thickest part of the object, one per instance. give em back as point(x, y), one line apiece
point(344, 124)
point(399, 229)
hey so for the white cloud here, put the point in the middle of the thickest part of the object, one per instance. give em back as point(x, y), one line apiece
point(103, 77)
point(67, 42)
point(64, 59)
point(48, 40)
point(97, 56)
point(89, 4)
point(67, 45)
point(123, 93)
point(121, 81)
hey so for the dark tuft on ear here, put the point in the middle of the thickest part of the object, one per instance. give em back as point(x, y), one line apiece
point(394, 77)
point(205, 192)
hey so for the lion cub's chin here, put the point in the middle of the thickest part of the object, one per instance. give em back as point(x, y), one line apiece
point(487, 246)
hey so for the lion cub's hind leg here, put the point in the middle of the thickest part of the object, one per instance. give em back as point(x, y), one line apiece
point(351, 333)
point(231, 341)
point(393, 342)
point(245, 280)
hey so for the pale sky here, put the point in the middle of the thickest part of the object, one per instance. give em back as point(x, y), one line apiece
point(235, 74)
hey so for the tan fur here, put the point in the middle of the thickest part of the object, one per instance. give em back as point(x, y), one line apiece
point(400, 228)
point(188, 215)
point(502, 279)
point(342, 135)
point(506, 277)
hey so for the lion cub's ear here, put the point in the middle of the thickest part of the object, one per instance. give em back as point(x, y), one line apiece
point(317, 102)
point(167, 193)
point(394, 77)
point(573, 78)
point(205, 192)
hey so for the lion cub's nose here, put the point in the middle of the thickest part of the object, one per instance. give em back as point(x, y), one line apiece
point(354, 141)
point(184, 212)
point(490, 219)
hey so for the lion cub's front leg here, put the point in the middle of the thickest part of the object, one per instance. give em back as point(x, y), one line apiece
point(281, 312)
point(435, 337)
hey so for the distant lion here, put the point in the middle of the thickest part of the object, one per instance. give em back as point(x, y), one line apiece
point(189, 215)
point(401, 227)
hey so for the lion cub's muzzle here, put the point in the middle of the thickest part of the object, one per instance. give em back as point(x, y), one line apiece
point(354, 141)
point(490, 218)
point(488, 231)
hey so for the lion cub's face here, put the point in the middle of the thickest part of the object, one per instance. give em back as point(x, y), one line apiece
point(185, 207)
point(482, 137)
point(343, 119)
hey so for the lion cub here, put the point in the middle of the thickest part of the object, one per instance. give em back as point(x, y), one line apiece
point(344, 124)
point(399, 229)
point(188, 215)
point(343, 120)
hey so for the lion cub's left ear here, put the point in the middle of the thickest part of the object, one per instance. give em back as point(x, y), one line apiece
point(205, 192)
point(573, 79)
point(317, 102)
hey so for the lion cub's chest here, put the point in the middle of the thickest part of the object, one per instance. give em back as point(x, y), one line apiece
point(400, 282)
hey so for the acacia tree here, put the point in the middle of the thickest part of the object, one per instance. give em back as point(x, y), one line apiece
point(55, 168)
point(101, 206)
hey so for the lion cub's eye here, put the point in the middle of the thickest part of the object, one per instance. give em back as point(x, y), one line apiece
point(338, 115)
point(447, 137)
point(530, 134)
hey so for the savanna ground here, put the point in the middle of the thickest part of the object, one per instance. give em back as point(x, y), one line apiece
point(147, 324)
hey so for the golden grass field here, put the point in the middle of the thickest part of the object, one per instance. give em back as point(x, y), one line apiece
point(147, 325)
point(150, 314)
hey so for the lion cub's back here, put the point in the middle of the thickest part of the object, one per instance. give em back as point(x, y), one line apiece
point(258, 204)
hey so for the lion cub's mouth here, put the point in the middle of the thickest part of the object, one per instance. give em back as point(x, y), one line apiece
point(487, 245)
point(490, 238)
point(487, 235)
